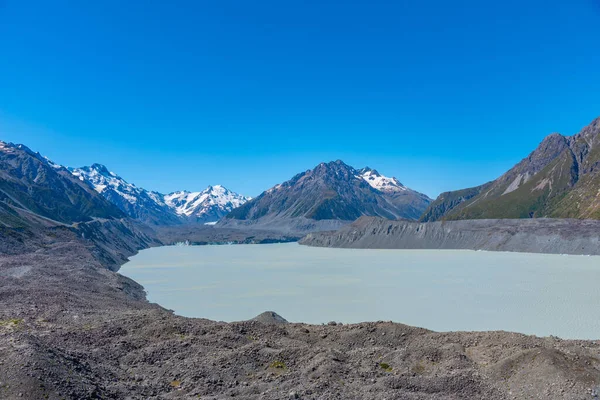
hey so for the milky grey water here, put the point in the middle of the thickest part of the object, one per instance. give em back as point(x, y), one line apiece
point(443, 290)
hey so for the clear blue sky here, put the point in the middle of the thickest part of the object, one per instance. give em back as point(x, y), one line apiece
point(181, 94)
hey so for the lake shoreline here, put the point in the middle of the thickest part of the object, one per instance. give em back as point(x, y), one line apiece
point(233, 283)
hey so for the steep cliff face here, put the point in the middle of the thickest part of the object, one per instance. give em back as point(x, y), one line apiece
point(556, 236)
point(559, 179)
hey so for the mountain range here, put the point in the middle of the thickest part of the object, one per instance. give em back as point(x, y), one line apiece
point(207, 206)
point(331, 194)
point(559, 179)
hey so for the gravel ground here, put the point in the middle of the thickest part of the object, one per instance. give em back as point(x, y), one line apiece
point(72, 329)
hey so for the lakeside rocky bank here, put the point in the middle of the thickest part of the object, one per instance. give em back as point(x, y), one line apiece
point(551, 236)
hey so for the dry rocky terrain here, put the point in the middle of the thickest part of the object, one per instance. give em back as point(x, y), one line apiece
point(72, 329)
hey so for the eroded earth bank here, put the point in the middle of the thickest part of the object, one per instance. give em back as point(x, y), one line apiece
point(551, 236)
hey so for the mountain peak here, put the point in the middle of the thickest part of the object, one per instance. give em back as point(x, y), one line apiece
point(102, 169)
point(590, 133)
point(11, 147)
point(332, 165)
point(559, 179)
point(213, 202)
point(334, 191)
point(595, 123)
point(7, 147)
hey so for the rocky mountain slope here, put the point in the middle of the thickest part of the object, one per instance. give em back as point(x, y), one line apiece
point(409, 202)
point(329, 194)
point(559, 179)
point(42, 203)
point(540, 235)
point(35, 192)
point(155, 208)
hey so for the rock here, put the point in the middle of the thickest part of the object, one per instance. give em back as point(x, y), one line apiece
point(270, 318)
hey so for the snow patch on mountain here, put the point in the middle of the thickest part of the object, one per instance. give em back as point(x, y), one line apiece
point(158, 198)
point(7, 148)
point(103, 180)
point(380, 182)
point(53, 164)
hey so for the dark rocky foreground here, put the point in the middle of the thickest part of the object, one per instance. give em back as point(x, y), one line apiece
point(72, 329)
point(554, 236)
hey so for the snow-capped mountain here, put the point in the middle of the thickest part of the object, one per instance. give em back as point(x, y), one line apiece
point(380, 182)
point(209, 205)
point(331, 191)
point(136, 202)
point(156, 208)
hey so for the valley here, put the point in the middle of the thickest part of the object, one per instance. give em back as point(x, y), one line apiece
point(72, 326)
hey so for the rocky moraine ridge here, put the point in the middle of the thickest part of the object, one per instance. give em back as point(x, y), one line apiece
point(550, 236)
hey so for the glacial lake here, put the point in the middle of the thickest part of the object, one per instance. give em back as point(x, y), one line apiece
point(442, 290)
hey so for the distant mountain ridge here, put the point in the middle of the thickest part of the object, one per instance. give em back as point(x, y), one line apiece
point(332, 191)
point(135, 202)
point(156, 208)
point(559, 179)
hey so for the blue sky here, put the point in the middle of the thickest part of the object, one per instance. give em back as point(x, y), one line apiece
point(182, 94)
